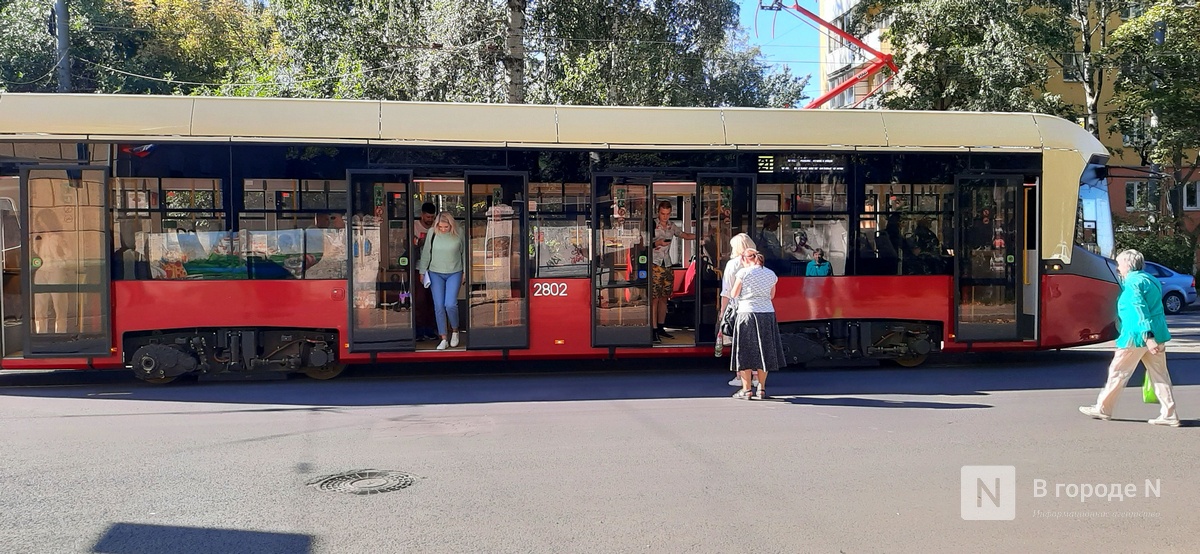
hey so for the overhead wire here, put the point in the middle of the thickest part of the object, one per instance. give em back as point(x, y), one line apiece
point(53, 68)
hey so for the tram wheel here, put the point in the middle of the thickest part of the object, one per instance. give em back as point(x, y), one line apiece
point(325, 373)
point(912, 360)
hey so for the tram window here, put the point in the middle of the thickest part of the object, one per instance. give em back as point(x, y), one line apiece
point(561, 230)
point(906, 229)
point(293, 229)
point(171, 228)
point(788, 241)
point(802, 206)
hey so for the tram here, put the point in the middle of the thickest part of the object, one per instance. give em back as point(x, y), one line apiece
point(178, 235)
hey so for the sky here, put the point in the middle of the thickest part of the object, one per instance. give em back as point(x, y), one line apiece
point(786, 38)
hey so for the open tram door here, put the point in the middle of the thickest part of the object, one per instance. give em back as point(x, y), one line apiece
point(64, 269)
point(379, 248)
point(724, 211)
point(497, 273)
point(621, 265)
point(990, 280)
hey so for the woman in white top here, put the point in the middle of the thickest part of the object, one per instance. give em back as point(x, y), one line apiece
point(738, 245)
point(757, 344)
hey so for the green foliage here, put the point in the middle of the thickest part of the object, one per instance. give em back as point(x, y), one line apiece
point(1162, 238)
point(625, 52)
point(968, 55)
point(1157, 99)
point(134, 46)
point(27, 57)
point(631, 52)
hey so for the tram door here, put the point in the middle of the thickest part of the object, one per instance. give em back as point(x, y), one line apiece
point(724, 212)
point(498, 254)
point(66, 261)
point(380, 252)
point(987, 287)
point(620, 270)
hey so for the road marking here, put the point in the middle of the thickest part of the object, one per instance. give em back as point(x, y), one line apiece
point(108, 393)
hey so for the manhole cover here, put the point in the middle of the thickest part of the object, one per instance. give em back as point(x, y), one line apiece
point(364, 481)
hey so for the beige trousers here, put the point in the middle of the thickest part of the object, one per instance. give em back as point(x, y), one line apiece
point(1125, 361)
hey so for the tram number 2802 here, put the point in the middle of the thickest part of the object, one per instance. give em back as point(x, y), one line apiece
point(550, 289)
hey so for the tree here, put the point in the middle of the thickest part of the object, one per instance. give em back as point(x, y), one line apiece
point(435, 50)
point(27, 58)
point(669, 52)
point(1080, 49)
point(1157, 95)
point(965, 54)
point(632, 52)
point(135, 46)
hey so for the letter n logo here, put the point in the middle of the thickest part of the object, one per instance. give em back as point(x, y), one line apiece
point(988, 493)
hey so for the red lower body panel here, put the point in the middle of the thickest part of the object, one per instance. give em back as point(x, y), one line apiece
point(1074, 311)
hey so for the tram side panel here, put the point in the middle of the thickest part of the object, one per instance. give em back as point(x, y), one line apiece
point(243, 325)
point(865, 316)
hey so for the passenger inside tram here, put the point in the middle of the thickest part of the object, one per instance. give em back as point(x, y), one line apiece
point(771, 247)
point(663, 283)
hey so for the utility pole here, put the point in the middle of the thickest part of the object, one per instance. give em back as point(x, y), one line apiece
point(61, 24)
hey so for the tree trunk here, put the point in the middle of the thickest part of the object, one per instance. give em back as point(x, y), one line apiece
point(514, 51)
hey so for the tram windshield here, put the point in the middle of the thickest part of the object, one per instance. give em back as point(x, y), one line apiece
point(1093, 224)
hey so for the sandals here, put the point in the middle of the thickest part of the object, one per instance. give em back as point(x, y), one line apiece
point(743, 394)
point(760, 394)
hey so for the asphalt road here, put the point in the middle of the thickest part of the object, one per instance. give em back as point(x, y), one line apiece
point(602, 458)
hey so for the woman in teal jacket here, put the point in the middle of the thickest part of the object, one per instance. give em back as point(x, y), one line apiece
point(819, 266)
point(1143, 328)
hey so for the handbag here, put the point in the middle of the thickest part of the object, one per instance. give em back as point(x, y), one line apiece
point(1148, 395)
point(729, 318)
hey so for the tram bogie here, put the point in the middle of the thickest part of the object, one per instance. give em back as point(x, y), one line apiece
point(853, 339)
point(172, 353)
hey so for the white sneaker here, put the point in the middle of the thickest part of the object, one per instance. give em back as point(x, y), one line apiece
point(442, 345)
point(1092, 411)
point(735, 382)
point(454, 339)
point(1164, 422)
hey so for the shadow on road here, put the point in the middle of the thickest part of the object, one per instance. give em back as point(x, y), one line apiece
point(960, 375)
point(131, 538)
point(854, 402)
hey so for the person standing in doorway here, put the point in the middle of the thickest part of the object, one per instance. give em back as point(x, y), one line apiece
point(442, 259)
point(423, 321)
point(1143, 338)
point(662, 284)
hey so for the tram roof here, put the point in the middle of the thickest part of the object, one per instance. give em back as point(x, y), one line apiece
point(99, 117)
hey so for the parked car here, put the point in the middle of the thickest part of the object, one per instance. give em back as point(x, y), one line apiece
point(1179, 289)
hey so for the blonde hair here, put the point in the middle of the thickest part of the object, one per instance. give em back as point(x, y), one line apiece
point(755, 256)
point(449, 219)
point(739, 244)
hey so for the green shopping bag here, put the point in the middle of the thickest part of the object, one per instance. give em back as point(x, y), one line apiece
point(1148, 395)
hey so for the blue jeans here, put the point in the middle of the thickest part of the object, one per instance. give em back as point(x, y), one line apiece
point(444, 287)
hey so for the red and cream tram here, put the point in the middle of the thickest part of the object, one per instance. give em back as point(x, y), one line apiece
point(176, 235)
